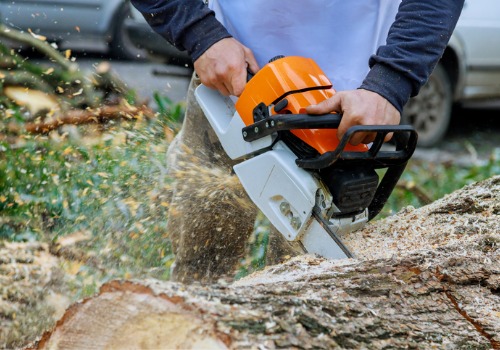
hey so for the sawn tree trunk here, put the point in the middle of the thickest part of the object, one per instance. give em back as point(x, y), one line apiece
point(426, 278)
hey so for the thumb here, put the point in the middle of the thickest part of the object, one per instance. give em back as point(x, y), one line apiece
point(333, 104)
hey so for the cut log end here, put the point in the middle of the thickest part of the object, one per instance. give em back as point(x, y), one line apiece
point(130, 316)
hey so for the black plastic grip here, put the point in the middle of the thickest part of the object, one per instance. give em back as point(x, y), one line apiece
point(405, 146)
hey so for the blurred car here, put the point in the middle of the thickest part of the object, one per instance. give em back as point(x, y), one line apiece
point(91, 25)
point(157, 48)
point(468, 71)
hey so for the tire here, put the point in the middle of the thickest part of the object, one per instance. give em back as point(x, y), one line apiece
point(430, 111)
point(121, 46)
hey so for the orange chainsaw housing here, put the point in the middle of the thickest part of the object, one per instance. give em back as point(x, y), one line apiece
point(302, 83)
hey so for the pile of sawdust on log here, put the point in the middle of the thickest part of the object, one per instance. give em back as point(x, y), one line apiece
point(458, 217)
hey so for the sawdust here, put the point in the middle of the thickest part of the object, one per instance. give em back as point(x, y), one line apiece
point(297, 268)
point(207, 183)
point(210, 215)
point(458, 217)
point(210, 186)
point(32, 292)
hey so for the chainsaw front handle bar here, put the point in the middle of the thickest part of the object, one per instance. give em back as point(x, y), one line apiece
point(405, 138)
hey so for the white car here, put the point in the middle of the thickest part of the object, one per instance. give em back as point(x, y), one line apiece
point(468, 71)
point(91, 25)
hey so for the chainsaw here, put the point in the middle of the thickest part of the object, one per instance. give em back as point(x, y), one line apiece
point(311, 186)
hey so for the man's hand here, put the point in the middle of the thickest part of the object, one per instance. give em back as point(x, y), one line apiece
point(224, 66)
point(359, 107)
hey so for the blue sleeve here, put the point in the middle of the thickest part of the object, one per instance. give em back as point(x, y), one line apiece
point(415, 43)
point(187, 24)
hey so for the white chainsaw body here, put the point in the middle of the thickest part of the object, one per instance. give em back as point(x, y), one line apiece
point(285, 193)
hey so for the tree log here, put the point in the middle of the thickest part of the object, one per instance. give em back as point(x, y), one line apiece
point(425, 278)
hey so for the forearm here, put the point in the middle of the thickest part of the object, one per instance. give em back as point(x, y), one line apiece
point(415, 43)
point(187, 24)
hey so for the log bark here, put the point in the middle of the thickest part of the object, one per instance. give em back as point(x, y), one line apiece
point(425, 278)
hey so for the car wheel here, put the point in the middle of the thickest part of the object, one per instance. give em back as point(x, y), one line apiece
point(121, 46)
point(430, 111)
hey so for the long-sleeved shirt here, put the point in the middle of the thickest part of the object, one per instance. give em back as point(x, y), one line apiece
point(415, 43)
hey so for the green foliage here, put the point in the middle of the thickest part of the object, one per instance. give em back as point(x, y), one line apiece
point(112, 186)
point(172, 112)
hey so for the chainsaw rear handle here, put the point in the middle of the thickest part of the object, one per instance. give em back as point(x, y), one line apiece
point(405, 140)
point(393, 173)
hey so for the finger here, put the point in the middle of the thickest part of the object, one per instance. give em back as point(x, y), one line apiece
point(343, 127)
point(362, 138)
point(253, 66)
point(238, 82)
point(369, 138)
point(223, 88)
point(388, 137)
point(333, 104)
point(358, 138)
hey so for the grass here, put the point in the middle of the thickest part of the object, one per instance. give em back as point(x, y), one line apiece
point(112, 186)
